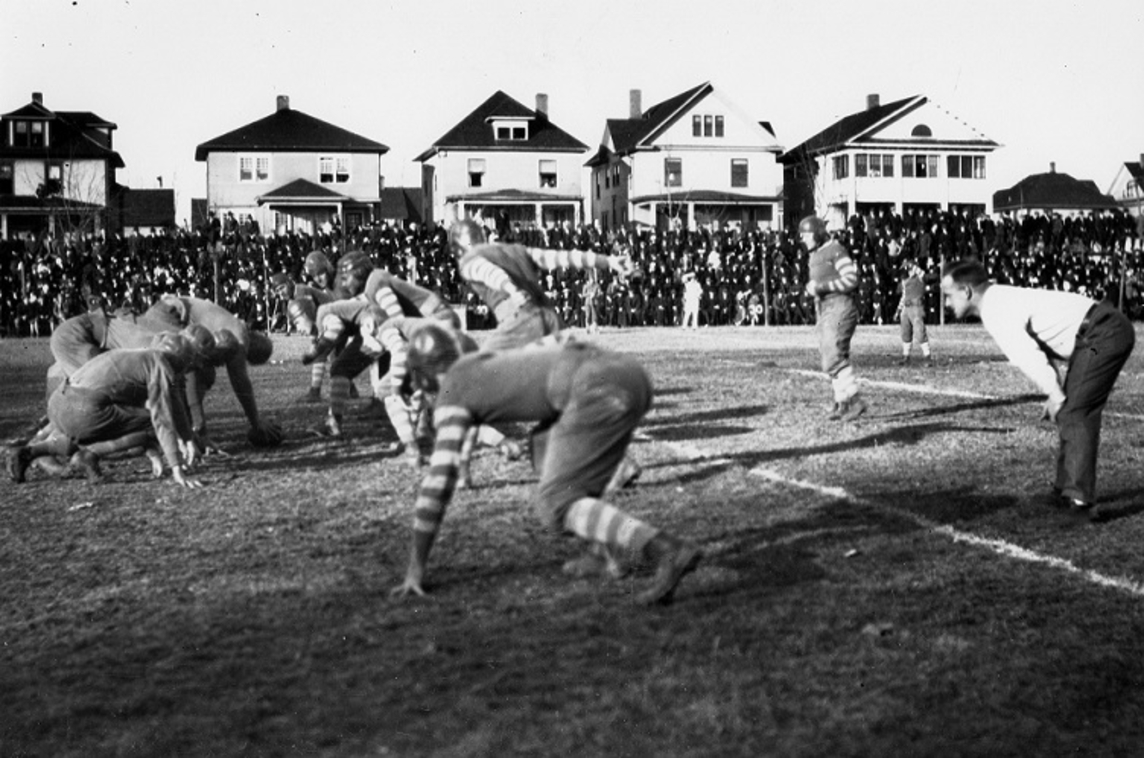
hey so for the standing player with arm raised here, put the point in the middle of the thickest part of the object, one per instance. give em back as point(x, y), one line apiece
point(507, 277)
point(832, 283)
point(586, 403)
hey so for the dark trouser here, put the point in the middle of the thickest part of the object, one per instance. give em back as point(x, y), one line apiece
point(1103, 345)
point(837, 320)
point(578, 454)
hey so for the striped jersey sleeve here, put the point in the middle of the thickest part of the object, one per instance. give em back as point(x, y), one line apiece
point(452, 422)
point(553, 259)
point(483, 271)
point(847, 275)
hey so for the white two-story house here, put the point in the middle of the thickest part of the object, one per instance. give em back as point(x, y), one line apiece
point(692, 160)
point(910, 154)
point(290, 171)
point(57, 171)
point(1127, 187)
point(505, 164)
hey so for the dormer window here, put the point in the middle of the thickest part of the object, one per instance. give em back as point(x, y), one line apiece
point(510, 131)
point(29, 134)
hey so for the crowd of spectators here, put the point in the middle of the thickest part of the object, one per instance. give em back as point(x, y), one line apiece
point(749, 277)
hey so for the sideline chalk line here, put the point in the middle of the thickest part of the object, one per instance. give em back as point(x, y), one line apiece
point(1000, 547)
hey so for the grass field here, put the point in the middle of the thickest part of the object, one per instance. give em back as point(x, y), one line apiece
point(891, 587)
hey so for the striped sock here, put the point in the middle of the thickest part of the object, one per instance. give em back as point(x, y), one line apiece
point(317, 373)
point(339, 394)
point(597, 521)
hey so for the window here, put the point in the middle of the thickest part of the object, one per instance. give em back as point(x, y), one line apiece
point(706, 125)
point(739, 175)
point(921, 130)
point(873, 165)
point(887, 165)
point(919, 166)
point(841, 166)
point(860, 164)
point(509, 132)
point(476, 171)
point(7, 181)
point(253, 168)
point(333, 169)
point(547, 173)
point(672, 172)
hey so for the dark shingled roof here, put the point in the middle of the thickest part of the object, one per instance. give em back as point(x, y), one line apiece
point(849, 127)
point(146, 207)
point(288, 130)
point(74, 135)
point(473, 132)
point(401, 203)
point(301, 189)
point(628, 134)
point(1052, 190)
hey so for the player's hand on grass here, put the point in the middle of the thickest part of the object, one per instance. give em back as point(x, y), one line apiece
point(183, 481)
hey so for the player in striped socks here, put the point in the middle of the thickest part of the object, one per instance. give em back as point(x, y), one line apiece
point(586, 402)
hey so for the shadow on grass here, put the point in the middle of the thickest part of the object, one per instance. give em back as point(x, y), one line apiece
point(704, 417)
point(1121, 504)
point(973, 405)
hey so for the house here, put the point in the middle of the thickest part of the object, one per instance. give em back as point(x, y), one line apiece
point(504, 163)
point(401, 205)
point(692, 160)
point(57, 171)
point(144, 211)
point(1052, 192)
point(1128, 187)
point(910, 154)
point(292, 172)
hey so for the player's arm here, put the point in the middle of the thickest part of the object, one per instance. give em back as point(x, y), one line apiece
point(846, 281)
point(579, 259)
point(162, 397)
point(453, 423)
point(483, 271)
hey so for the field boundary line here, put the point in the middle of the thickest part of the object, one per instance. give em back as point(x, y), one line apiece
point(922, 389)
point(998, 546)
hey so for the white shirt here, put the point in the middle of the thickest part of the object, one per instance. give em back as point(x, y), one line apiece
point(1033, 327)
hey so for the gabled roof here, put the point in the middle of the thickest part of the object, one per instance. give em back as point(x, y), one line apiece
point(287, 130)
point(474, 131)
point(301, 189)
point(1052, 190)
point(1135, 170)
point(851, 127)
point(631, 134)
point(74, 135)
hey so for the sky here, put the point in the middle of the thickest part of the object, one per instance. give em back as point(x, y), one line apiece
point(1051, 81)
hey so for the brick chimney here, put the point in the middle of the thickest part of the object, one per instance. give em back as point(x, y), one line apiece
point(873, 101)
point(542, 104)
point(283, 102)
point(38, 98)
point(635, 107)
point(1052, 167)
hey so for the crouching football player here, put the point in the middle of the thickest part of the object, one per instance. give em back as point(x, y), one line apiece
point(121, 402)
point(586, 402)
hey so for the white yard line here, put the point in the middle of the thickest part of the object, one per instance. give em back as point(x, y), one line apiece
point(998, 546)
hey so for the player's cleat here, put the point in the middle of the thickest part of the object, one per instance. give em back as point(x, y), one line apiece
point(835, 411)
point(675, 560)
point(904, 360)
point(928, 362)
point(331, 428)
point(598, 561)
point(313, 395)
point(19, 458)
point(853, 408)
point(87, 463)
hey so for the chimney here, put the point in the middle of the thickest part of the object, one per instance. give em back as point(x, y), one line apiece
point(38, 98)
point(635, 107)
point(541, 104)
point(873, 101)
point(283, 102)
point(1052, 167)
point(1142, 159)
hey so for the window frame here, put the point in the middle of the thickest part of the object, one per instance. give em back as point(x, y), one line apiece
point(476, 169)
point(670, 178)
point(742, 177)
point(547, 179)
